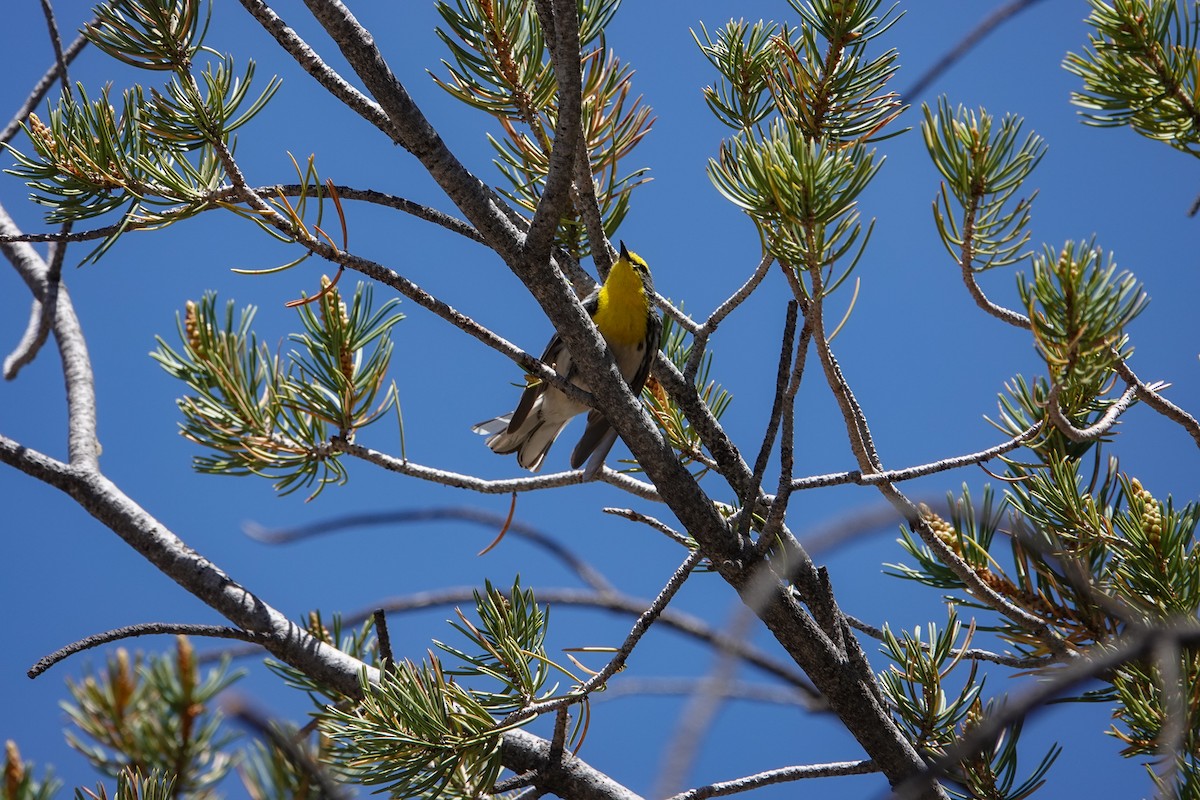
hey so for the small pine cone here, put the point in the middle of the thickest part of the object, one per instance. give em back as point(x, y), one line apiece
point(191, 326)
point(998, 583)
point(14, 769)
point(346, 362)
point(1151, 512)
point(940, 527)
point(42, 135)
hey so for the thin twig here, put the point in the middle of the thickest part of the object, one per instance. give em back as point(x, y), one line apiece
point(706, 328)
point(966, 261)
point(782, 775)
point(669, 308)
point(225, 194)
point(861, 443)
point(515, 782)
point(60, 60)
point(908, 473)
point(383, 637)
point(658, 525)
point(773, 525)
point(782, 379)
point(558, 740)
point(620, 480)
point(130, 631)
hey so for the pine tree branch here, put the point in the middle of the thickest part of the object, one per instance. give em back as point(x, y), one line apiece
point(1097, 660)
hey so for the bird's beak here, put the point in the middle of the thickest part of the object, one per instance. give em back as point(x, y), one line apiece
point(624, 252)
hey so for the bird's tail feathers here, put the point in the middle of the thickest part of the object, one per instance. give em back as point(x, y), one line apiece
point(530, 442)
point(490, 427)
point(599, 432)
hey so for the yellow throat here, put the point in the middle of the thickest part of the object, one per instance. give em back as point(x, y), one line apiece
point(623, 306)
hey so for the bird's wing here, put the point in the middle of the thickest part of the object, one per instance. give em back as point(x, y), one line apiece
point(652, 340)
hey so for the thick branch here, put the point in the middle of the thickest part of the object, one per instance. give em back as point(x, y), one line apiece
point(72, 348)
point(569, 777)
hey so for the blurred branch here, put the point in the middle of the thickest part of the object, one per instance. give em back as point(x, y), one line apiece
point(615, 602)
point(734, 690)
point(700, 712)
point(977, 34)
point(521, 530)
point(1134, 644)
point(971, 654)
point(42, 87)
point(240, 709)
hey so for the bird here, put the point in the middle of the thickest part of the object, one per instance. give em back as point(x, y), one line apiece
point(623, 310)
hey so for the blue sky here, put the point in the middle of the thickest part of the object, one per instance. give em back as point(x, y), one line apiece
point(925, 362)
